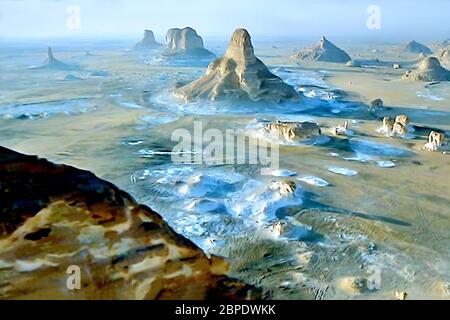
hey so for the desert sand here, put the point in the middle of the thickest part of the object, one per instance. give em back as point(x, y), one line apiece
point(364, 200)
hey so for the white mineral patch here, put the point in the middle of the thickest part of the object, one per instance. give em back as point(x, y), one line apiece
point(315, 181)
point(385, 164)
point(343, 171)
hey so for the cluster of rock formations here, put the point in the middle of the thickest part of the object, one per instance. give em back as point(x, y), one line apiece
point(429, 69)
point(66, 234)
point(417, 48)
point(148, 42)
point(184, 44)
point(239, 74)
point(395, 127)
point(436, 140)
point(324, 51)
point(292, 131)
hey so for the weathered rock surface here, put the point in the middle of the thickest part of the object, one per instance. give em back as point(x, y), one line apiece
point(429, 70)
point(185, 44)
point(148, 42)
point(56, 216)
point(239, 74)
point(324, 51)
point(417, 48)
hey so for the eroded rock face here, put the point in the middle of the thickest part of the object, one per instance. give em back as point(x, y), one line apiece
point(148, 42)
point(417, 48)
point(185, 43)
point(324, 51)
point(239, 74)
point(429, 70)
point(56, 216)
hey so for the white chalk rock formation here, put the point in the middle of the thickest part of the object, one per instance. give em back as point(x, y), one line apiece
point(417, 48)
point(429, 70)
point(239, 74)
point(324, 51)
point(148, 42)
point(443, 56)
point(185, 43)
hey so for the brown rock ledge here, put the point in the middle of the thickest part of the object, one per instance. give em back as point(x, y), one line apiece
point(54, 216)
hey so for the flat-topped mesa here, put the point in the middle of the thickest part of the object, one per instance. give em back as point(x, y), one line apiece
point(239, 74)
point(57, 217)
point(185, 43)
point(324, 51)
point(417, 48)
point(148, 42)
point(429, 69)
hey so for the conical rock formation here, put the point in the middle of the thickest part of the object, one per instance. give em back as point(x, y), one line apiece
point(59, 224)
point(417, 48)
point(443, 56)
point(52, 63)
point(148, 42)
point(185, 43)
point(429, 70)
point(324, 51)
point(239, 74)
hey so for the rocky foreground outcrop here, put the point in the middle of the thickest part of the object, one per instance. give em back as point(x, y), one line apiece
point(417, 48)
point(324, 51)
point(185, 44)
point(429, 70)
point(56, 220)
point(148, 42)
point(239, 74)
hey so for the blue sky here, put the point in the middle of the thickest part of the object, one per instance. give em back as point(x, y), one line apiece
point(422, 20)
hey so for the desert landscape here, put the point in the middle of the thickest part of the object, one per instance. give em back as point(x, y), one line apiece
point(358, 208)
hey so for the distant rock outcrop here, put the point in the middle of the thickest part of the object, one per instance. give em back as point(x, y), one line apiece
point(239, 74)
point(57, 221)
point(148, 42)
point(429, 70)
point(443, 56)
point(185, 43)
point(52, 63)
point(324, 51)
point(417, 48)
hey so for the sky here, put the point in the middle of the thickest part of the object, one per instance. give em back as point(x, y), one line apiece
point(400, 19)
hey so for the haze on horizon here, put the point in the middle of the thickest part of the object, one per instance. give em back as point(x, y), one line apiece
point(400, 20)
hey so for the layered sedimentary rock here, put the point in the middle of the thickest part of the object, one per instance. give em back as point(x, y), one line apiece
point(185, 43)
point(429, 70)
point(324, 51)
point(66, 234)
point(417, 48)
point(239, 74)
point(148, 42)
